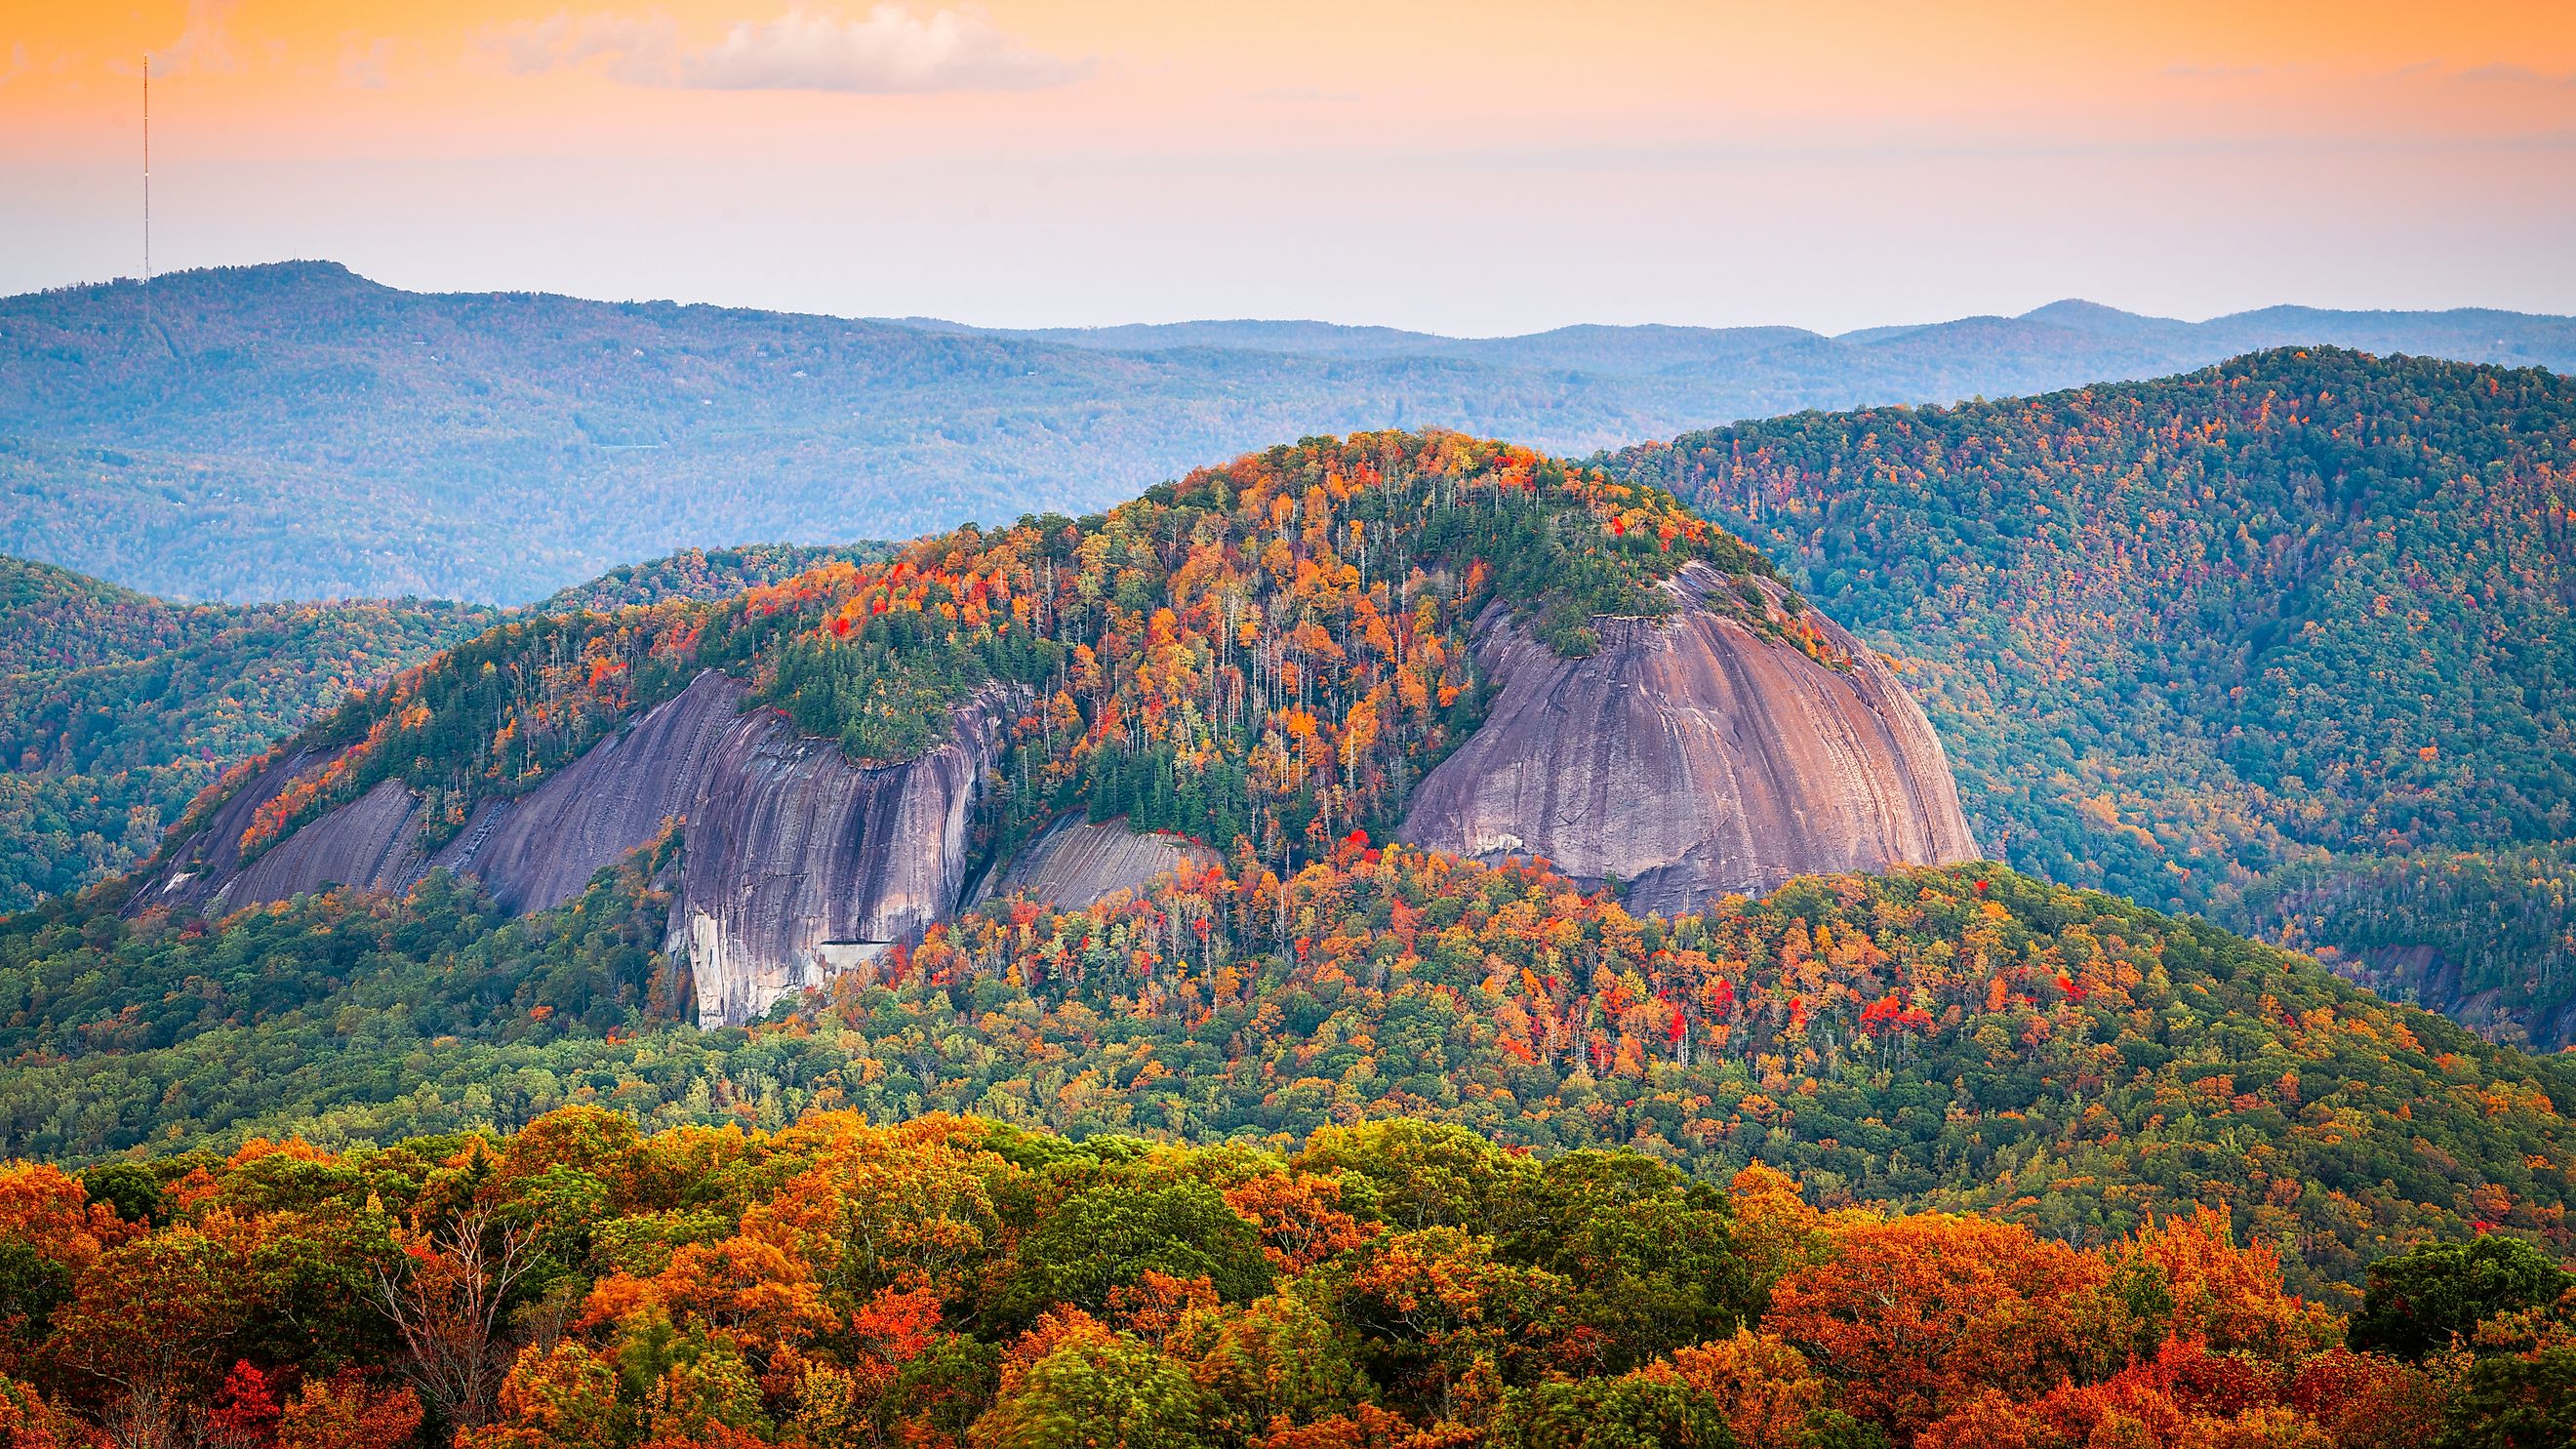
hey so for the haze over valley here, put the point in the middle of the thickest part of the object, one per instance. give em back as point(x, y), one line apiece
point(296, 431)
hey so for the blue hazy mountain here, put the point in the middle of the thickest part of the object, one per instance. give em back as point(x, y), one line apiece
point(297, 431)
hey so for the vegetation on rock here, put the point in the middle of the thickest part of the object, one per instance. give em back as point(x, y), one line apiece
point(117, 709)
point(1273, 650)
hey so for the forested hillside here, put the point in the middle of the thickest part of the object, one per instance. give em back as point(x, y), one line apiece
point(700, 573)
point(297, 431)
point(117, 708)
point(2183, 636)
point(1955, 1039)
point(1274, 650)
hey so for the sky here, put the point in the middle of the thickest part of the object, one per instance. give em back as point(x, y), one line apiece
point(1477, 167)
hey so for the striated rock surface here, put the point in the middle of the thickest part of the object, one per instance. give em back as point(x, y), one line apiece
point(1074, 862)
point(368, 842)
point(794, 862)
point(1690, 757)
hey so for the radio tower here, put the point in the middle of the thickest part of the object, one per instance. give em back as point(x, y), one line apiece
point(147, 166)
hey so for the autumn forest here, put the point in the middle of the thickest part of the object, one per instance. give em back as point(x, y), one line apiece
point(1320, 1140)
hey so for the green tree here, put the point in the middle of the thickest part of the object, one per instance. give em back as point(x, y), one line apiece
point(1094, 1394)
point(1110, 1236)
point(2516, 1401)
point(2426, 1298)
point(1426, 1174)
point(1632, 1412)
point(1278, 1359)
point(32, 1286)
point(1648, 1249)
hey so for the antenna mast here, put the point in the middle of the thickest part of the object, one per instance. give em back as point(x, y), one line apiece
point(147, 166)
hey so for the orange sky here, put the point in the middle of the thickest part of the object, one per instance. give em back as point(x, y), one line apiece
point(1480, 167)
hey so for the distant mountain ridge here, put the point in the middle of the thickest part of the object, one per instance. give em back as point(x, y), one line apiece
point(2120, 339)
point(297, 431)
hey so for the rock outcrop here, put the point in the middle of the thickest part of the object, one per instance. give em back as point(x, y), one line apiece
point(369, 842)
point(1691, 756)
point(1074, 862)
point(794, 862)
point(1688, 757)
point(2424, 976)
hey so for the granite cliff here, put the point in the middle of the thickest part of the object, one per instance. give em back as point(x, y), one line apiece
point(1480, 648)
point(1692, 755)
point(1075, 862)
point(795, 862)
point(1689, 756)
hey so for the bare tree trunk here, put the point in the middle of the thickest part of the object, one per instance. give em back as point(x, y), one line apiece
point(447, 1306)
point(137, 1419)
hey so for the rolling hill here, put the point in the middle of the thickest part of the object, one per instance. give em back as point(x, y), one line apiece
point(117, 708)
point(1369, 633)
point(2285, 640)
point(295, 431)
point(1311, 1140)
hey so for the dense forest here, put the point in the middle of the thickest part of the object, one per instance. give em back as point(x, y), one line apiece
point(2185, 636)
point(2488, 934)
point(296, 431)
point(1273, 650)
point(117, 709)
point(1965, 1039)
point(955, 1283)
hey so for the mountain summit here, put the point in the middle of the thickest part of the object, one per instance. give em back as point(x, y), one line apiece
point(1461, 644)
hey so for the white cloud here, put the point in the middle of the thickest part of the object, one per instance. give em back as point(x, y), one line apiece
point(2504, 74)
point(638, 51)
point(367, 66)
point(204, 45)
point(892, 51)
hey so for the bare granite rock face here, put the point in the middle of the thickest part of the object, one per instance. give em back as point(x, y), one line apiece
point(1074, 862)
point(1691, 757)
point(2422, 974)
point(795, 863)
point(367, 842)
